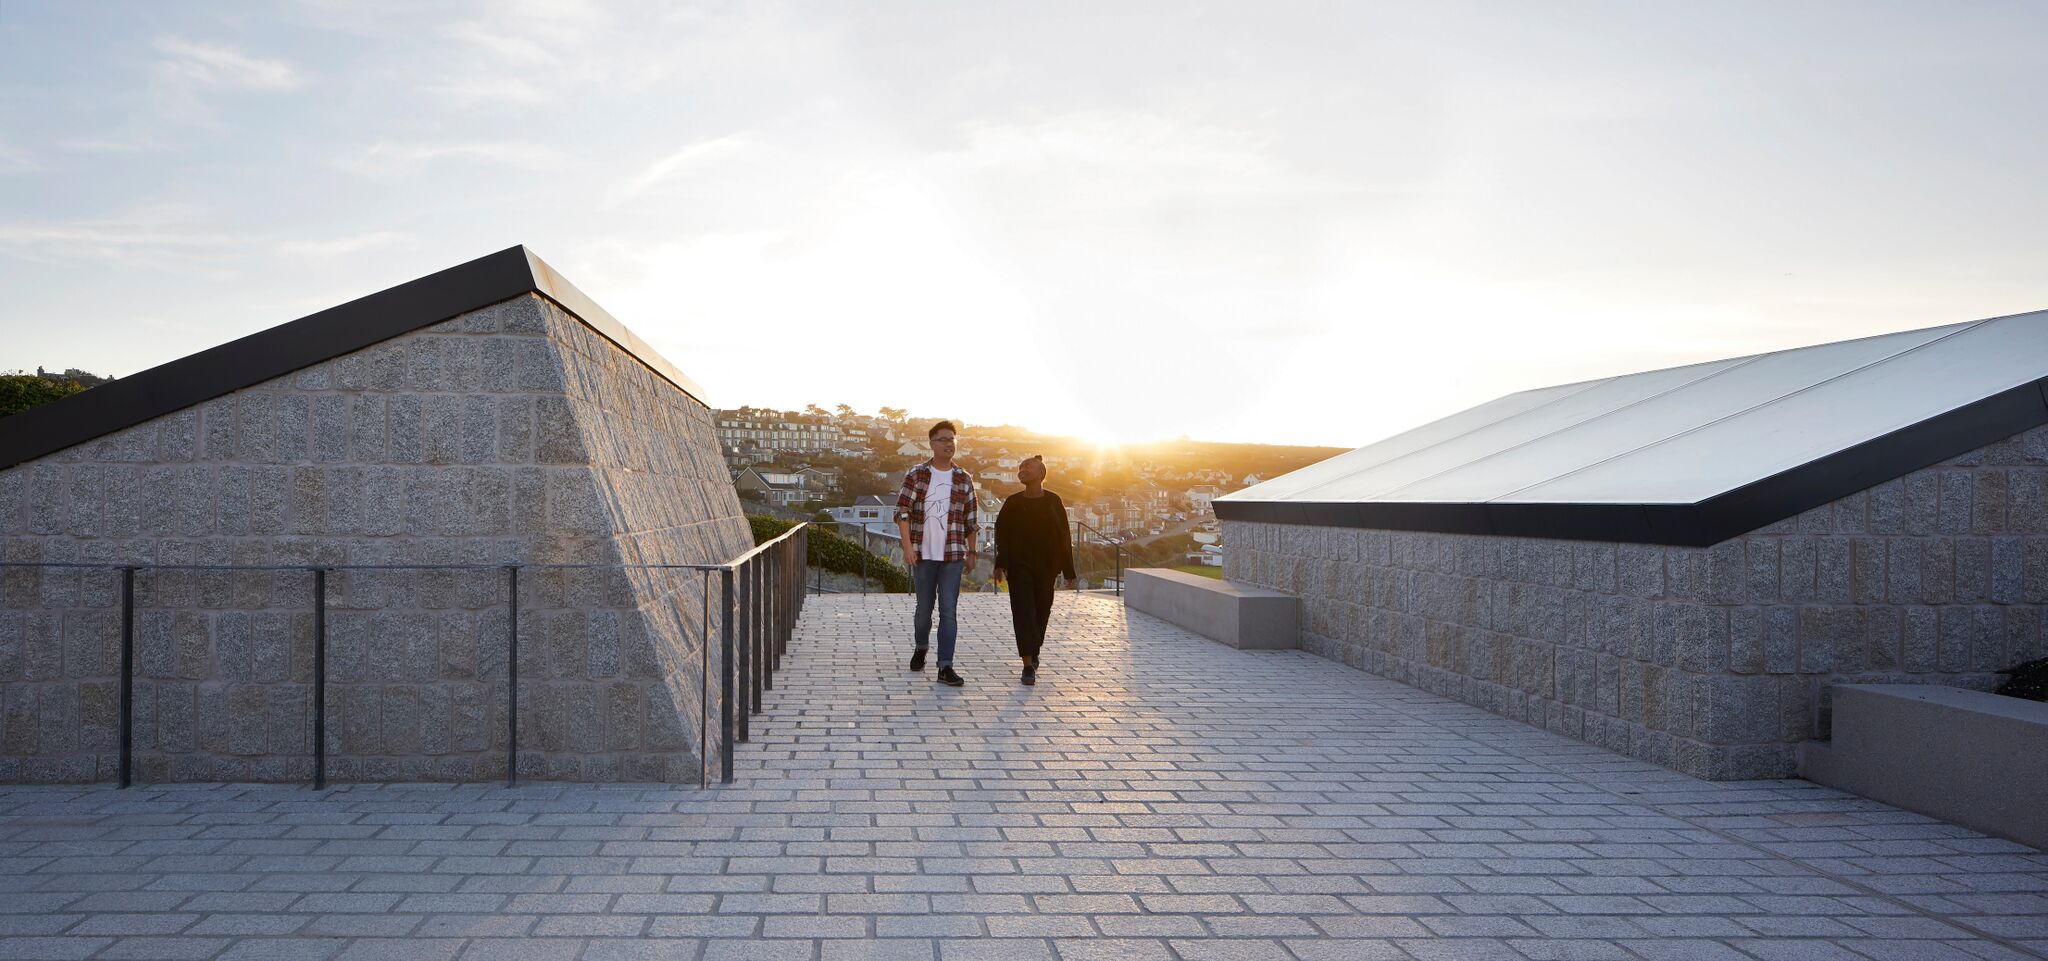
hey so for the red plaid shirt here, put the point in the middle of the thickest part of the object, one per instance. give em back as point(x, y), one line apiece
point(961, 523)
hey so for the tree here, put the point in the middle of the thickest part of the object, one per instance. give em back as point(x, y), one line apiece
point(20, 392)
point(845, 410)
point(894, 414)
point(815, 411)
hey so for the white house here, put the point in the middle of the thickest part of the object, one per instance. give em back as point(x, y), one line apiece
point(819, 478)
point(866, 510)
point(777, 487)
point(748, 426)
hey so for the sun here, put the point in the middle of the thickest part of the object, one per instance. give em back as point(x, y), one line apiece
point(1101, 443)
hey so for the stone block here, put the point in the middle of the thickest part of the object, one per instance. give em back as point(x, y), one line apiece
point(1884, 636)
point(404, 423)
point(1831, 639)
point(1741, 710)
point(1701, 634)
point(2026, 510)
point(1988, 502)
point(1987, 640)
point(2033, 580)
point(1972, 570)
point(1955, 626)
point(177, 439)
point(1746, 640)
point(479, 440)
point(1867, 570)
point(1954, 511)
point(441, 429)
point(1937, 571)
point(2024, 635)
point(369, 435)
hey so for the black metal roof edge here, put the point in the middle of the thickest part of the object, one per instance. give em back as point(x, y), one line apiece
point(276, 351)
point(550, 282)
point(1732, 514)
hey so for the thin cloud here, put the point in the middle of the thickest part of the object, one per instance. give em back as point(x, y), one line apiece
point(124, 243)
point(340, 246)
point(388, 158)
point(14, 160)
point(188, 73)
point(682, 163)
point(211, 65)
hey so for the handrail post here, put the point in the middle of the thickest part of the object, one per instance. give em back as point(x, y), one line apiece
point(127, 675)
point(319, 678)
point(801, 549)
point(792, 588)
point(864, 551)
point(757, 645)
point(512, 675)
point(704, 679)
point(783, 600)
point(744, 649)
point(725, 684)
point(771, 600)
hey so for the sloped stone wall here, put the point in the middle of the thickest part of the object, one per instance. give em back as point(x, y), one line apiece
point(1708, 660)
point(513, 434)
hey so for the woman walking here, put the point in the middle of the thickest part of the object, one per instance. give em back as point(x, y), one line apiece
point(1032, 546)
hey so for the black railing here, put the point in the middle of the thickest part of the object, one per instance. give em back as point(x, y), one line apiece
point(761, 594)
point(1103, 540)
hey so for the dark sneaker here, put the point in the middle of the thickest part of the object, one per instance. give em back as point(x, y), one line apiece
point(917, 659)
point(1030, 675)
point(947, 676)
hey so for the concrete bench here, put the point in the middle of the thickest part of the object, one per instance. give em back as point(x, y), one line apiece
point(1246, 618)
point(1980, 760)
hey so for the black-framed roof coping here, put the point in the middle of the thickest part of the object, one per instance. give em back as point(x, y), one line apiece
point(331, 333)
point(1997, 412)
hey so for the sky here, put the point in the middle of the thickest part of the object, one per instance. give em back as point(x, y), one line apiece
point(1282, 222)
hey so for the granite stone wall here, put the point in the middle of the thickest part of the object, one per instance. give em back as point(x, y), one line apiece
point(1713, 661)
point(513, 434)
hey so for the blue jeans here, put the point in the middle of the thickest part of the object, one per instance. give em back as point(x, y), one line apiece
point(937, 581)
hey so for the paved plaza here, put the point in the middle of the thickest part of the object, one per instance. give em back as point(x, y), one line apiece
point(1156, 796)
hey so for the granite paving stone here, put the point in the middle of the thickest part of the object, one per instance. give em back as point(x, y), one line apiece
point(1154, 796)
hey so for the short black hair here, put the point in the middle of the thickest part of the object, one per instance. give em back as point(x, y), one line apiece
point(941, 425)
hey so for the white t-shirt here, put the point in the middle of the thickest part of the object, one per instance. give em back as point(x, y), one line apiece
point(938, 505)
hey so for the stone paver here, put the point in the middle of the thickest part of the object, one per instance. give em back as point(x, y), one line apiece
point(1155, 796)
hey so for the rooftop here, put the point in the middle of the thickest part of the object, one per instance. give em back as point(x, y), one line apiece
point(1156, 796)
point(1686, 455)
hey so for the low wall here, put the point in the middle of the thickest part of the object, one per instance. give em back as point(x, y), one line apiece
point(1243, 617)
point(1980, 760)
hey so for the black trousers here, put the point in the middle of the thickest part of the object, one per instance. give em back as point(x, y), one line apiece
point(1031, 607)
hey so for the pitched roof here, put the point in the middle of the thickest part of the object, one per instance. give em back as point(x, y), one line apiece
point(310, 340)
point(1687, 455)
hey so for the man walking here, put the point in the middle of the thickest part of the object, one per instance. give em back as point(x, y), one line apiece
point(935, 514)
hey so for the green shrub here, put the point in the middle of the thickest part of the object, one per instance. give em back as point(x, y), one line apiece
point(20, 392)
point(835, 553)
point(2028, 680)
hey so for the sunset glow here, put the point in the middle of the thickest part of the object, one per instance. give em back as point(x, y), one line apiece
point(1296, 223)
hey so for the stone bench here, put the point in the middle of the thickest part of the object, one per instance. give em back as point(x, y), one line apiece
point(1246, 618)
point(1980, 760)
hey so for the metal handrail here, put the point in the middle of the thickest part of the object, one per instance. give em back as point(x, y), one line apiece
point(761, 594)
point(1106, 540)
